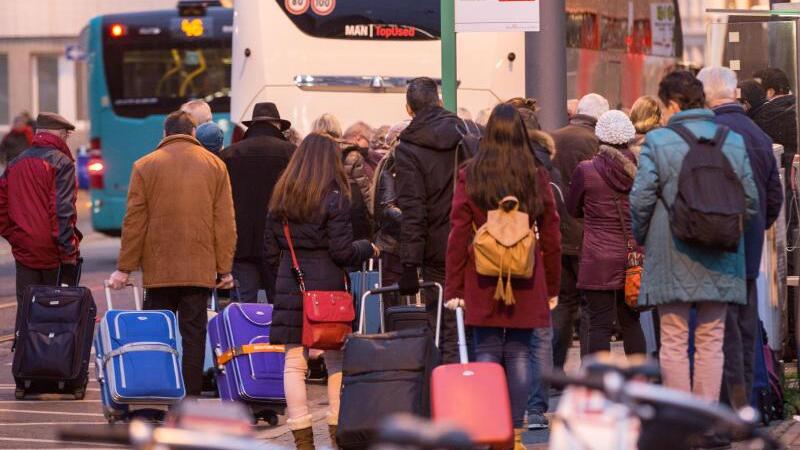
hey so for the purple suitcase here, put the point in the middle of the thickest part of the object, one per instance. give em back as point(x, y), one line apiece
point(251, 370)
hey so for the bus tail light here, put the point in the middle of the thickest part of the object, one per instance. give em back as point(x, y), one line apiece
point(117, 30)
point(96, 165)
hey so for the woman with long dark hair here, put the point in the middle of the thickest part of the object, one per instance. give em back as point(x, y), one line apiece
point(504, 166)
point(313, 197)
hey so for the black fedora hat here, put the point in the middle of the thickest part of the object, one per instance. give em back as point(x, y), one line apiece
point(267, 112)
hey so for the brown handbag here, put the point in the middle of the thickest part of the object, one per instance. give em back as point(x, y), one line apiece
point(327, 315)
point(634, 264)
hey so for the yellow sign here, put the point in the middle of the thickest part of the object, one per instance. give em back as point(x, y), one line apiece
point(192, 27)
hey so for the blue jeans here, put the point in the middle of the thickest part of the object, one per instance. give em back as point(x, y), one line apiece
point(511, 348)
point(541, 363)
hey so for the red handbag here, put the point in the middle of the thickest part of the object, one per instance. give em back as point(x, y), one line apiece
point(327, 315)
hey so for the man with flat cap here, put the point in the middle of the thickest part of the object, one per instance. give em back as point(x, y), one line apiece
point(38, 192)
point(179, 230)
point(255, 163)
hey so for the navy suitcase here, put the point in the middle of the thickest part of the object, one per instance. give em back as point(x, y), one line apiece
point(361, 282)
point(384, 374)
point(53, 344)
point(137, 361)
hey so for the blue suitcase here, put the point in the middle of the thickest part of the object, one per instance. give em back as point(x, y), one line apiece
point(249, 368)
point(137, 361)
point(361, 282)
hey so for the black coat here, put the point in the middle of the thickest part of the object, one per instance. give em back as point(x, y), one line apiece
point(425, 162)
point(387, 214)
point(778, 118)
point(575, 143)
point(324, 248)
point(255, 163)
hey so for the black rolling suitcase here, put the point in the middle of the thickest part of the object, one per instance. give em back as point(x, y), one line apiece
point(407, 317)
point(54, 341)
point(384, 374)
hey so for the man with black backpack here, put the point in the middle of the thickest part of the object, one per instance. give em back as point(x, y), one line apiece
point(742, 324)
point(692, 198)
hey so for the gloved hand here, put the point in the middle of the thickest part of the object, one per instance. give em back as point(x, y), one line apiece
point(225, 281)
point(409, 281)
point(118, 279)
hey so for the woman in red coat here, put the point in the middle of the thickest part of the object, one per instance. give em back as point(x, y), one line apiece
point(503, 166)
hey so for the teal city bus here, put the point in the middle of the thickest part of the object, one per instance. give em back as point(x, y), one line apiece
point(141, 67)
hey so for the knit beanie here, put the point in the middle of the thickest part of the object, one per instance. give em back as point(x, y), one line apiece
point(615, 128)
point(210, 135)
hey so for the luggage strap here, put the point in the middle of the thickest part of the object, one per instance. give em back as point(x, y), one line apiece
point(140, 347)
point(248, 349)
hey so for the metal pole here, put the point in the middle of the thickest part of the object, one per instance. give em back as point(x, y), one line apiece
point(449, 59)
point(546, 64)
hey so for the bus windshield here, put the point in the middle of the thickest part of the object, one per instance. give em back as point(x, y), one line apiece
point(146, 79)
point(366, 19)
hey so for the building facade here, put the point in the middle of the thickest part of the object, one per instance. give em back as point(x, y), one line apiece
point(695, 23)
point(39, 64)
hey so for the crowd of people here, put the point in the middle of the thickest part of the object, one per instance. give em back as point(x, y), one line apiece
point(608, 186)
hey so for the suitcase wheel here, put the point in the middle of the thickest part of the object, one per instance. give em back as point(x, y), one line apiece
point(19, 393)
point(267, 416)
point(110, 418)
point(80, 393)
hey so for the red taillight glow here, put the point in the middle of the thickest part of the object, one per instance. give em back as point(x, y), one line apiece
point(97, 170)
point(117, 30)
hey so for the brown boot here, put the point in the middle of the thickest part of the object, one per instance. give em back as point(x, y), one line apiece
point(518, 439)
point(304, 439)
point(332, 431)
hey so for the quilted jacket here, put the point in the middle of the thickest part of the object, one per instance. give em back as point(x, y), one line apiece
point(673, 270)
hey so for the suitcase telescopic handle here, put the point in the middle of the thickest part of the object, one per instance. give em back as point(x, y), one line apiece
point(137, 299)
point(395, 288)
point(462, 336)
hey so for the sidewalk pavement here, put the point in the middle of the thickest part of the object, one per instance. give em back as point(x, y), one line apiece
point(787, 431)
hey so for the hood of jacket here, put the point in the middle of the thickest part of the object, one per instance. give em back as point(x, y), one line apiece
point(434, 128)
point(616, 167)
point(543, 140)
point(48, 140)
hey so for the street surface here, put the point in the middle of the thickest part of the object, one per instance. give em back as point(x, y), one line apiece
point(34, 423)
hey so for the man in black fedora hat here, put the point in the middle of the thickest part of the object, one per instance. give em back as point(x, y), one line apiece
point(255, 163)
point(38, 217)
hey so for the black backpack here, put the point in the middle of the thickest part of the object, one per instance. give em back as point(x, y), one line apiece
point(710, 205)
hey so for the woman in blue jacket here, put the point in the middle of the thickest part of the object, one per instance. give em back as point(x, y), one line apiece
point(678, 275)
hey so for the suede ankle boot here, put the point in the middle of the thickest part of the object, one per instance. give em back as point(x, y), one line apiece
point(332, 432)
point(304, 439)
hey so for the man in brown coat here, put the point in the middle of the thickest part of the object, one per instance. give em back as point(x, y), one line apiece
point(179, 229)
point(575, 142)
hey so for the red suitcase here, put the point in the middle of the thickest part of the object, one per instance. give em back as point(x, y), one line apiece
point(473, 397)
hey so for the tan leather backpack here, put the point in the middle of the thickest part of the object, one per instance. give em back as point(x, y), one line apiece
point(504, 246)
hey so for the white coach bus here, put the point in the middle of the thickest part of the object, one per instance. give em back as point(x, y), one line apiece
point(303, 55)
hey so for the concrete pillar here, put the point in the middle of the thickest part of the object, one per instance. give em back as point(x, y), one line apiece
point(546, 64)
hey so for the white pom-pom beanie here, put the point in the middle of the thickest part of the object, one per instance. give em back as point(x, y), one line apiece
point(615, 128)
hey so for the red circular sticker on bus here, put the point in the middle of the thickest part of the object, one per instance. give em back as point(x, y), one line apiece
point(323, 7)
point(297, 7)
